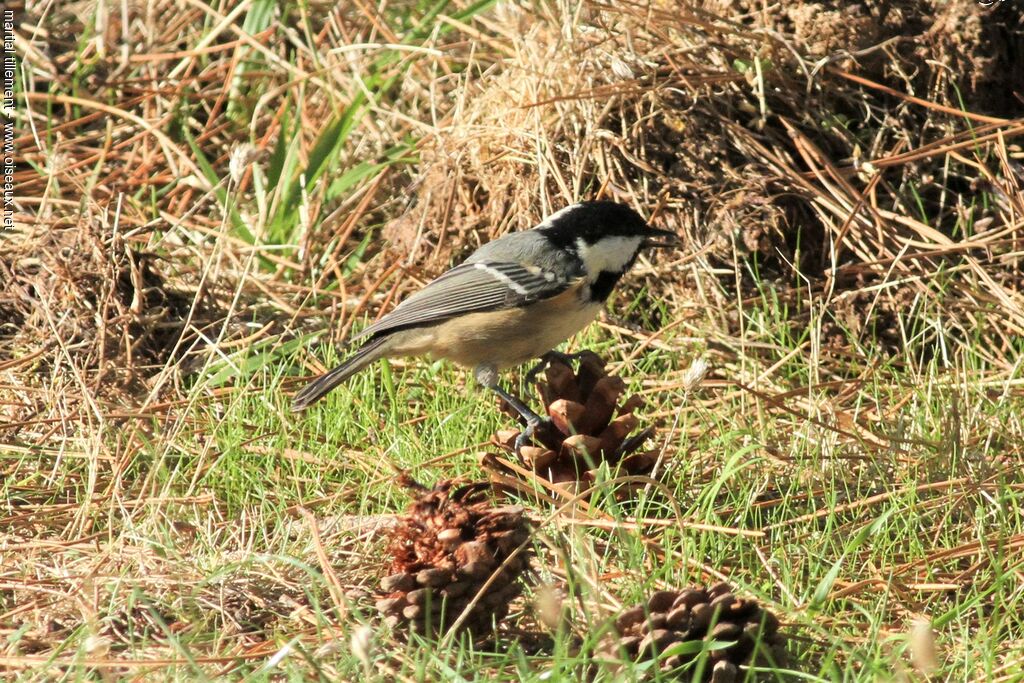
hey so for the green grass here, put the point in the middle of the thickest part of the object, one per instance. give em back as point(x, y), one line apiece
point(823, 534)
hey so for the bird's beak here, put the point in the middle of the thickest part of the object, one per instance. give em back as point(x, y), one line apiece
point(660, 239)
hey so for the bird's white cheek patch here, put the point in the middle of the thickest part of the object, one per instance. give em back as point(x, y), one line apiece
point(610, 254)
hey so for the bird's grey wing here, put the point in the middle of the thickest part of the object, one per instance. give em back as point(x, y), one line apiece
point(471, 288)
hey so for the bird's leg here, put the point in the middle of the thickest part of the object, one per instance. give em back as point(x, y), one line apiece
point(532, 419)
point(487, 375)
point(546, 360)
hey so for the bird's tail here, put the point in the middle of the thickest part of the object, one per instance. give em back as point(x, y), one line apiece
point(320, 386)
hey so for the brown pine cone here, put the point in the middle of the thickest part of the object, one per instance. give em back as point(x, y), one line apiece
point(453, 548)
point(669, 617)
point(589, 426)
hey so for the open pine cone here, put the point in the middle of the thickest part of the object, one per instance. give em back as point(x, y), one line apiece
point(448, 548)
point(589, 425)
point(693, 614)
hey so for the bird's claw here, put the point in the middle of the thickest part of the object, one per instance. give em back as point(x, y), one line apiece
point(546, 360)
point(524, 437)
point(531, 376)
point(527, 434)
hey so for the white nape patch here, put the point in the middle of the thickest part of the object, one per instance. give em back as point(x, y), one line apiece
point(561, 213)
point(497, 274)
point(610, 254)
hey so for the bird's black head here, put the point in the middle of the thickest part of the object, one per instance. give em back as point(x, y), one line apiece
point(594, 221)
point(605, 237)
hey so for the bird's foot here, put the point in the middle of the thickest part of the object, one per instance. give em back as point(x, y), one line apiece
point(548, 358)
point(532, 425)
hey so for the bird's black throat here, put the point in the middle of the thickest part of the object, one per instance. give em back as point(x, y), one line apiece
point(601, 287)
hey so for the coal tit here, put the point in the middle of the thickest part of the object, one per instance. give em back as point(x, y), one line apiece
point(514, 299)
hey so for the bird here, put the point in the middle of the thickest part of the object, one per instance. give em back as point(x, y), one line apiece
point(511, 301)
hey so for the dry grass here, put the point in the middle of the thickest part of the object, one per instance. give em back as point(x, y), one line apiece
point(203, 185)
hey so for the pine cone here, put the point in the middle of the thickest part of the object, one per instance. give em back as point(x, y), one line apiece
point(693, 614)
point(589, 426)
point(446, 550)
